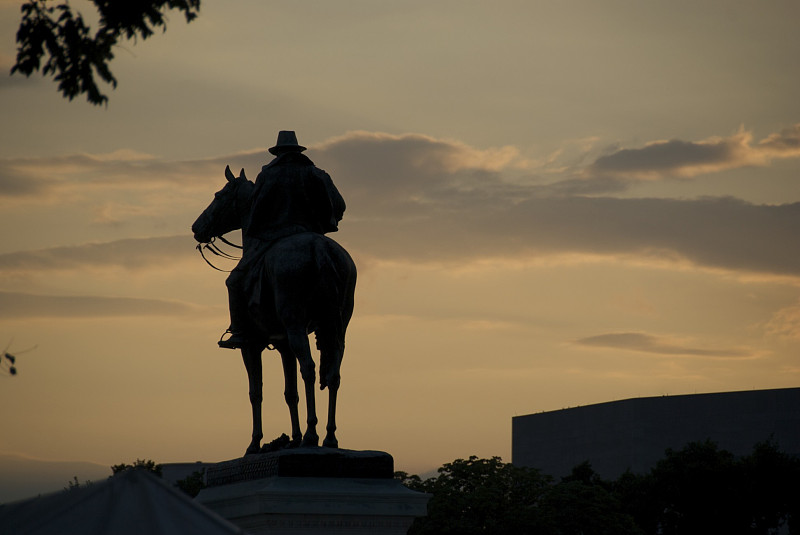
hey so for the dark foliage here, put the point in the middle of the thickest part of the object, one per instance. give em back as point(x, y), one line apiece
point(193, 484)
point(696, 490)
point(704, 489)
point(771, 480)
point(75, 484)
point(74, 54)
point(148, 465)
point(480, 496)
point(699, 489)
point(584, 504)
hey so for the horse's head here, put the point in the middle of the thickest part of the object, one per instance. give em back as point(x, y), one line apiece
point(226, 211)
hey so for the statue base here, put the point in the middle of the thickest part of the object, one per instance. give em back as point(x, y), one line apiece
point(311, 491)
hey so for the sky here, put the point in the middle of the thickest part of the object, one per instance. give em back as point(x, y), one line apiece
point(550, 204)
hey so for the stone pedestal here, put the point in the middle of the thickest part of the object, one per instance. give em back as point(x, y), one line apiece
point(311, 491)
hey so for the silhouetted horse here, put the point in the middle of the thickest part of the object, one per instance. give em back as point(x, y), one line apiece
point(306, 284)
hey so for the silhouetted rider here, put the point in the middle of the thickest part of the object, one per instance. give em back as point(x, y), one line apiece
point(291, 196)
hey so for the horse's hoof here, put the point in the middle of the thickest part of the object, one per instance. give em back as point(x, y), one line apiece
point(310, 441)
point(330, 442)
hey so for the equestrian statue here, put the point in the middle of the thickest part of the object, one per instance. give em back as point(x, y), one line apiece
point(292, 280)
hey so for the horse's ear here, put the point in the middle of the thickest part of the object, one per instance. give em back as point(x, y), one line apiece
point(228, 173)
point(241, 174)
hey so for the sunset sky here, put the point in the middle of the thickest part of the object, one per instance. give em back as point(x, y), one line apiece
point(550, 204)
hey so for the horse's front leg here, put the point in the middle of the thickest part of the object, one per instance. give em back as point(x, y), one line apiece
point(290, 388)
point(252, 363)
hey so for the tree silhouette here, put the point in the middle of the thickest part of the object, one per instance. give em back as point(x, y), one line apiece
point(74, 55)
point(474, 495)
point(191, 485)
point(702, 488)
point(696, 490)
point(148, 465)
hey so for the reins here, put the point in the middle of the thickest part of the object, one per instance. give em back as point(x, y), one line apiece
point(226, 242)
point(214, 249)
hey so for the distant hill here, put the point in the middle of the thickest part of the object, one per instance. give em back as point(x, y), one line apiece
point(22, 477)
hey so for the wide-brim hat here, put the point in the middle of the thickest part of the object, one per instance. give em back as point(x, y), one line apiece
point(287, 142)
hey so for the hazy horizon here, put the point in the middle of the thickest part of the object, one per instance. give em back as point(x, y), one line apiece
point(24, 477)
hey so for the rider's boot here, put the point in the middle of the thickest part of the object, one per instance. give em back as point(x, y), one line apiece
point(238, 309)
point(235, 341)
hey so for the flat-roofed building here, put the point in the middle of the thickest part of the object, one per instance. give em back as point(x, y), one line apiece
point(634, 433)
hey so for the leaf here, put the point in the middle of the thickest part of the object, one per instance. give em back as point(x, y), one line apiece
point(75, 58)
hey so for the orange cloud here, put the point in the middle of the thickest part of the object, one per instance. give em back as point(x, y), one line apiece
point(784, 144)
point(429, 153)
point(684, 159)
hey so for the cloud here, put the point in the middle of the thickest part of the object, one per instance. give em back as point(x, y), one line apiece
point(15, 183)
point(400, 163)
point(17, 305)
point(410, 169)
point(723, 233)
point(684, 159)
point(410, 204)
point(410, 200)
point(423, 152)
point(716, 232)
point(375, 155)
point(134, 254)
point(783, 144)
point(646, 343)
point(785, 323)
point(121, 170)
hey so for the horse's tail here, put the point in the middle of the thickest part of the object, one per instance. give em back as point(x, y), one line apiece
point(337, 273)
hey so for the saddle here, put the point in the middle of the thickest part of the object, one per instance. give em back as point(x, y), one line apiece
point(260, 299)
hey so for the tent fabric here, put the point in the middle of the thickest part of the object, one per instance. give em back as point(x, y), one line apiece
point(130, 502)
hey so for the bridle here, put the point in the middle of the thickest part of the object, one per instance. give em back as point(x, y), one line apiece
point(214, 248)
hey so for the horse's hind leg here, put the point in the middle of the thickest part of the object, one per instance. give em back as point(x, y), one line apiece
point(290, 388)
point(252, 363)
point(332, 380)
point(330, 430)
point(298, 343)
point(330, 342)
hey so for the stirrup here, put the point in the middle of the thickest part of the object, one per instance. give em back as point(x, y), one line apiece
point(236, 340)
